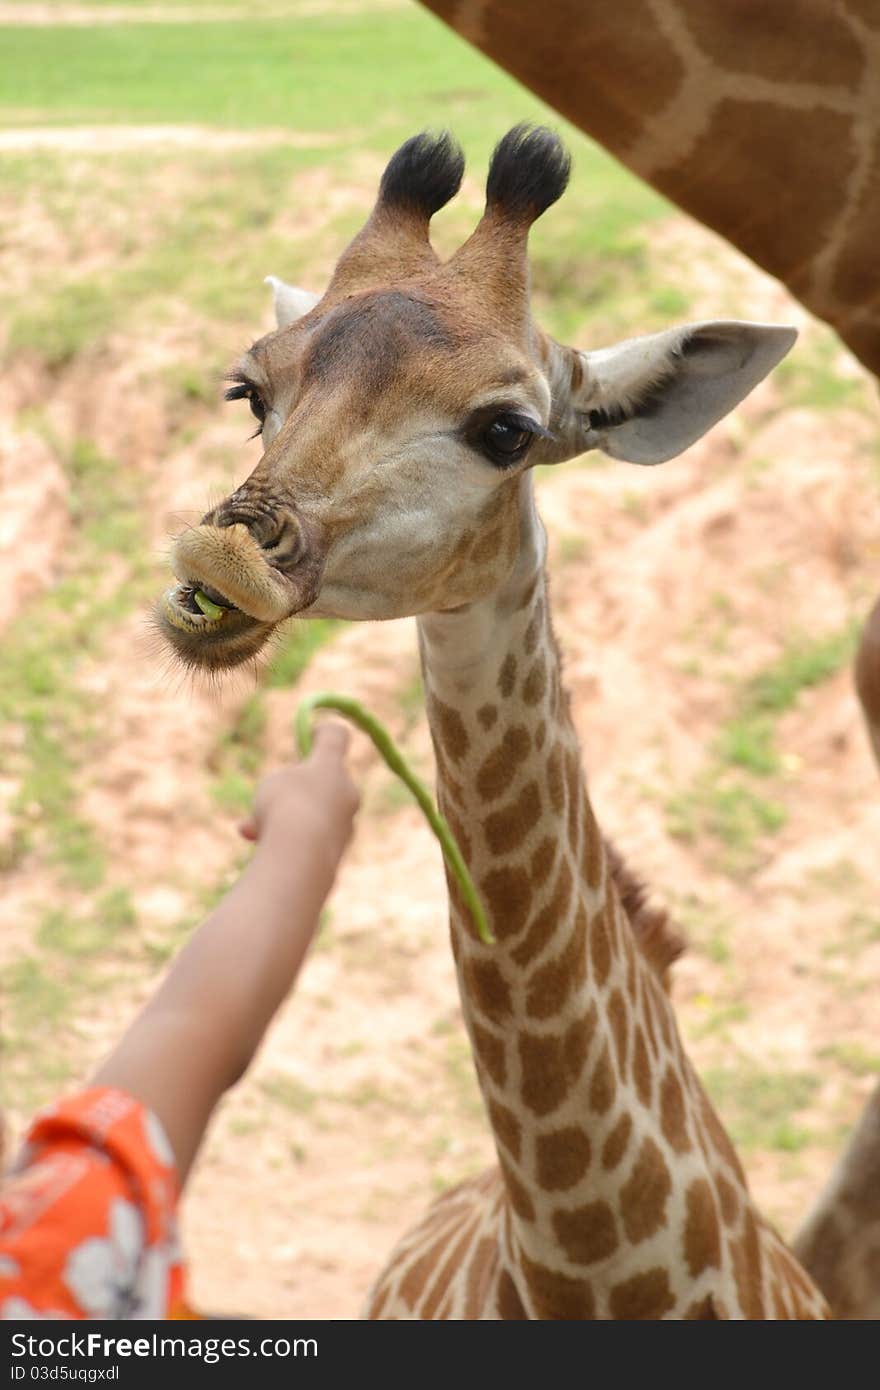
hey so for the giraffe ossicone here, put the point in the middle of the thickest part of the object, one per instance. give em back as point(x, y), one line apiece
point(401, 417)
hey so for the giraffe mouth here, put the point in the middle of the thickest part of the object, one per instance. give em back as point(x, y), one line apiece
point(211, 635)
point(202, 602)
point(229, 596)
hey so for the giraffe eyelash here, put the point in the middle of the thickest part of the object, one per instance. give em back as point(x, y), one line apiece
point(243, 389)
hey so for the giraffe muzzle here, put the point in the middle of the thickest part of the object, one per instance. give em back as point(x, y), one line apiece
point(234, 587)
point(228, 566)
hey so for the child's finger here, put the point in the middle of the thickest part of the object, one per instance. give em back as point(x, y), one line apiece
point(332, 738)
point(247, 829)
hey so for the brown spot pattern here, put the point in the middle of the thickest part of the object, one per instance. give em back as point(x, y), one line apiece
point(543, 925)
point(616, 1144)
point(702, 1236)
point(462, 839)
point(563, 1157)
point(746, 1258)
point(517, 1192)
point(506, 829)
point(728, 1197)
point(576, 1042)
point(544, 1083)
point(644, 1195)
point(645, 989)
point(412, 1285)
point(451, 1265)
point(702, 1311)
point(619, 1021)
point(533, 631)
point(763, 38)
point(488, 989)
point(720, 1140)
point(643, 1296)
point(506, 1127)
point(491, 1053)
point(555, 783)
point(510, 1305)
point(575, 797)
point(603, 1084)
point(551, 58)
point(555, 1295)
point(449, 729)
point(673, 1119)
point(487, 716)
point(592, 848)
point(535, 683)
point(479, 1272)
point(507, 895)
point(542, 861)
point(773, 233)
point(642, 1068)
point(551, 984)
point(587, 1234)
point(499, 767)
point(600, 948)
point(507, 675)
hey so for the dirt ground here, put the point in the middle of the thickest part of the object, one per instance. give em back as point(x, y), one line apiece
point(672, 588)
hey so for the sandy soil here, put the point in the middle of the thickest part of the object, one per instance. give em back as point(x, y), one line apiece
point(670, 587)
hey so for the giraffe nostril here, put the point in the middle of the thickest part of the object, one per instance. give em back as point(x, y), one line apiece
point(286, 544)
point(277, 531)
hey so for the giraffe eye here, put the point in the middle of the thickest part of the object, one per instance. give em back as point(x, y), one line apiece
point(507, 438)
point(245, 390)
point(258, 409)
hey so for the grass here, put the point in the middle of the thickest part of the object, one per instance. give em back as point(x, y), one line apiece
point(709, 930)
point(298, 644)
point(760, 1107)
point(853, 1057)
point(721, 805)
point(353, 82)
point(802, 665)
point(46, 648)
point(286, 1091)
point(724, 809)
point(814, 377)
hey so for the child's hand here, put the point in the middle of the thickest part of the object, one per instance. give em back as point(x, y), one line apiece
point(315, 799)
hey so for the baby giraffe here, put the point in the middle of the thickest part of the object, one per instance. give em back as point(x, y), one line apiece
point(402, 414)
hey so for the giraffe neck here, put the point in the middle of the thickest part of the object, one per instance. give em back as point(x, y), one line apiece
point(602, 1131)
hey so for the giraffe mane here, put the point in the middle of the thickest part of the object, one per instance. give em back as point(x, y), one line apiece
point(659, 941)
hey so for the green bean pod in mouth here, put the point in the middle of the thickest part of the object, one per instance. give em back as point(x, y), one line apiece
point(388, 750)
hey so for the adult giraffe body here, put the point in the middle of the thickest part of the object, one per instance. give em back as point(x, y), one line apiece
point(761, 120)
point(401, 414)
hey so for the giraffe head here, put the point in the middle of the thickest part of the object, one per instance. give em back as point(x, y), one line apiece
point(401, 410)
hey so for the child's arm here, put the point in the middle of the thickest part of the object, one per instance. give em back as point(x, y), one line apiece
point(200, 1031)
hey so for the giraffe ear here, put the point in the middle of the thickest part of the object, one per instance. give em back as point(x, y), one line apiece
point(650, 398)
point(290, 303)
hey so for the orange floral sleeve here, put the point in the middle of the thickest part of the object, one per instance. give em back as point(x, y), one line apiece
point(88, 1223)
